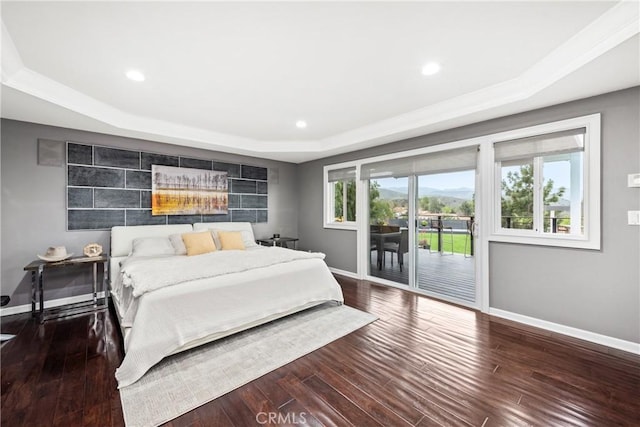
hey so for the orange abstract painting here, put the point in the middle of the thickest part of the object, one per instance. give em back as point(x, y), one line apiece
point(185, 191)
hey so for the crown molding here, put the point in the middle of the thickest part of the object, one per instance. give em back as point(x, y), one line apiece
point(615, 26)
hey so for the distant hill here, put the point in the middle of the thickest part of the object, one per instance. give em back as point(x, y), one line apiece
point(462, 193)
point(388, 194)
point(452, 202)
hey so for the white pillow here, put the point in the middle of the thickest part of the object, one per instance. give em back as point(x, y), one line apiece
point(247, 237)
point(152, 246)
point(178, 244)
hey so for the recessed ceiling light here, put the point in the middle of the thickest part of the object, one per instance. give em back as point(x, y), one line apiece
point(301, 124)
point(135, 75)
point(430, 69)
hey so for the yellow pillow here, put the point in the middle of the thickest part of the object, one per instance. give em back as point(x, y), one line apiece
point(198, 243)
point(230, 240)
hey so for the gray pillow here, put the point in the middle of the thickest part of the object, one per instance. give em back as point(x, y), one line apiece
point(152, 246)
point(178, 244)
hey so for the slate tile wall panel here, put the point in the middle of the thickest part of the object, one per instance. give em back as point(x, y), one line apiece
point(186, 162)
point(94, 219)
point(243, 186)
point(144, 217)
point(145, 199)
point(109, 198)
point(84, 176)
point(244, 216)
point(217, 218)
point(253, 172)
point(128, 159)
point(233, 171)
point(233, 201)
point(141, 180)
point(184, 219)
point(148, 159)
point(113, 188)
point(250, 201)
point(79, 154)
point(261, 187)
point(80, 197)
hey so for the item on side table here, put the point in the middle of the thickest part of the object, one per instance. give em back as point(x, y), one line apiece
point(92, 249)
point(55, 254)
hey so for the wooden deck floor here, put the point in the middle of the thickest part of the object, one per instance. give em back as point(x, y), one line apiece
point(449, 275)
point(422, 363)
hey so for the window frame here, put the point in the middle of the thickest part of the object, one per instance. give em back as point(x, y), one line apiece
point(591, 238)
point(329, 197)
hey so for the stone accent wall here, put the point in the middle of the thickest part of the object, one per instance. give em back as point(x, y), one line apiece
point(110, 186)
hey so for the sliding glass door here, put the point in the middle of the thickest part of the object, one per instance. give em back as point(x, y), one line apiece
point(445, 246)
point(421, 219)
point(389, 229)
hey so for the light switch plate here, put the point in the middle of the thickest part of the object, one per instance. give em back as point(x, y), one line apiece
point(633, 217)
point(633, 180)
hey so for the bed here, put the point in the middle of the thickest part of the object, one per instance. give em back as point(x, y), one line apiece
point(167, 302)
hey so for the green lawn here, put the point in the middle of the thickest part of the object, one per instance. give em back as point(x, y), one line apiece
point(458, 241)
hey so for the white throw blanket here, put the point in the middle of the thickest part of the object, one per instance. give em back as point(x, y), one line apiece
point(146, 275)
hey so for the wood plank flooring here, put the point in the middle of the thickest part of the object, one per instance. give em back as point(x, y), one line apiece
point(423, 363)
point(451, 275)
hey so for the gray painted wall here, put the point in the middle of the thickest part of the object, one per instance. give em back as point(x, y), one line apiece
point(33, 204)
point(597, 291)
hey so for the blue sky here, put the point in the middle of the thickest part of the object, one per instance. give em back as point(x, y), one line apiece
point(558, 171)
point(440, 181)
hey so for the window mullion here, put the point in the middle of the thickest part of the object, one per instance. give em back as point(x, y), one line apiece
point(575, 194)
point(345, 216)
point(538, 195)
point(331, 199)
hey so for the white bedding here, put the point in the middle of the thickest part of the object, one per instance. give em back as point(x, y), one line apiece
point(170, 318)
point(149, 274)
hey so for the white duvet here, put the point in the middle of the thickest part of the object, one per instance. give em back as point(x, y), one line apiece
point(145, 275)
point(182, 302)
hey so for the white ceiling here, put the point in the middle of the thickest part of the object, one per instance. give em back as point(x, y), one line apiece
point(236, 76)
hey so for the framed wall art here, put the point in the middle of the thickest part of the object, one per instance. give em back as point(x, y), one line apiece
point(186, 191)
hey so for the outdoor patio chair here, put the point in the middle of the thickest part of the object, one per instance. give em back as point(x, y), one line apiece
point(399, 246)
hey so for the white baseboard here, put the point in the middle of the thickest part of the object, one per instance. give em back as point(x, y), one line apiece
point(629, 346)
point(344, 273)
point(26, 308)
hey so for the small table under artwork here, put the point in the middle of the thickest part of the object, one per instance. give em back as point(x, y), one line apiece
point(37, 269)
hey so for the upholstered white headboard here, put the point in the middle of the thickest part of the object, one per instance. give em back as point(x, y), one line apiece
point(122, 237)
point(227, 226)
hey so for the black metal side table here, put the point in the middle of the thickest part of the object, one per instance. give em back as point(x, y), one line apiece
point(37, 269)
point(279, 241)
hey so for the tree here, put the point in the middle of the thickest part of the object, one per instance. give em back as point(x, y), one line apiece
point(467, 208)
point(351, 200)
point(435, 205)
point(424, 203)
point(379, 210)
point(517, 197)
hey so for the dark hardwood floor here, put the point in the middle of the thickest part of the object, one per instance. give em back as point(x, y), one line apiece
point(422, 363)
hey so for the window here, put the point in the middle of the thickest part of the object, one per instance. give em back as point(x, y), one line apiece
point(340, 197)
point(548, 184)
